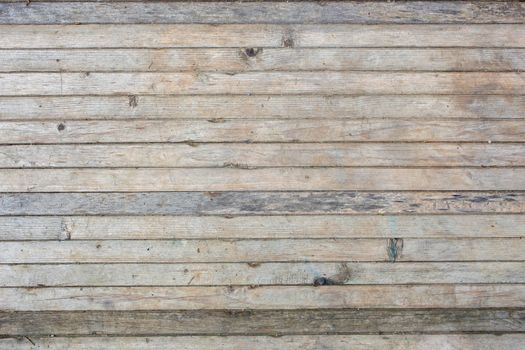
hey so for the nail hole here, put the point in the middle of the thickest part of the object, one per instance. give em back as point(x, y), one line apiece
point(61, 127)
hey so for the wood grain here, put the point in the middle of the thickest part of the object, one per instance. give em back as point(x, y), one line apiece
point(255, 274)
point(323, 82)
point(414, 107)
point(262, 203)
point(273, 322)
point(296, 342)
point(262, 179)
point(249, 59)
point(267, 297)
point(261, 35)
point(261, 12)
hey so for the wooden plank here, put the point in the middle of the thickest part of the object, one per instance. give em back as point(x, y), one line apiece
point(274, 130)
point(261, 155)
point(273, 12)
point(319, 82)
point(295, 342)
point(261, 35)
point(234, 60)
point(211, 274)
point(262, 179)
point(209, 227)
point(253, 250)
point(271, 106)
point(267, 297)
point(274, 322)
point(261, 203)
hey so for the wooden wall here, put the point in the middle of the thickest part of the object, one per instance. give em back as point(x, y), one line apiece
point(262, 175)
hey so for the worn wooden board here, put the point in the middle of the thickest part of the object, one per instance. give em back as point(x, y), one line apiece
point(261, 35)
point(306, 342)
point(264, 297)
point(261, 203)
point(274, 130)
point(261, 179)
point(260, 227)
point(414, 107)
point(260, 12)
point(253, 250)
point(249, 59)
point(323, 82)
point(273, 322)
point(255, 274)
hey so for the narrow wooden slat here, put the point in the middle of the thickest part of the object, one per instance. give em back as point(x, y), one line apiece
point(261, 203)
point(262, 179)
point(268, 297)
point(273, 12)
point(273, 322)
point(198, 227)
point(236, 130)
point(323, 82)
point(260, 35)
point(281, 250)
point(249, 59)
point(304, 342)
point(261, 155)
point(259, 274)
point(248, 107)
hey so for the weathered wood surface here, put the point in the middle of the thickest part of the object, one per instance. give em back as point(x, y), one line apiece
point(249, 59)
point(261, 35)
point(274, 130)
point(264, 297)
point(262, 179)
point(260, 227)
point(256, 274)
point(17, 12)
point(270, 106)
point(273, 322)
point(261, 203)
point(324, 82)
point(295, 342)
point(262, 155)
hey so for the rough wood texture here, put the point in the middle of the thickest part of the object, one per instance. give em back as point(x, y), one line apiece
point(265, 297)
point(261, 12)
point(249, 59)
point(261, 35)
point(261, 203)
point(271, 106)
point(296, 342)
point(255, 274)
point(262, 179)
point(324, 82)
point(273, 322)
point(261, 227)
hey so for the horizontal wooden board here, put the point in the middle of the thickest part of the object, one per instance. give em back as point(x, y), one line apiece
point(267, 297)
point(320, 82)
point(261, 179)
point(261, 35)
point(261, 203)
point(270, 106)
point(275, 130)
point(296, 342)
point(260, 12)
point(259, 274)
point(273, 322)
point(210, 227)
point(261, 155)
point(250, 59)
point(253, 250)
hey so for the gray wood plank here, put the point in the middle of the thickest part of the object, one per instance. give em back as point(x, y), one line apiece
point(262, 203)
point(261, 12)
point(274, 322)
